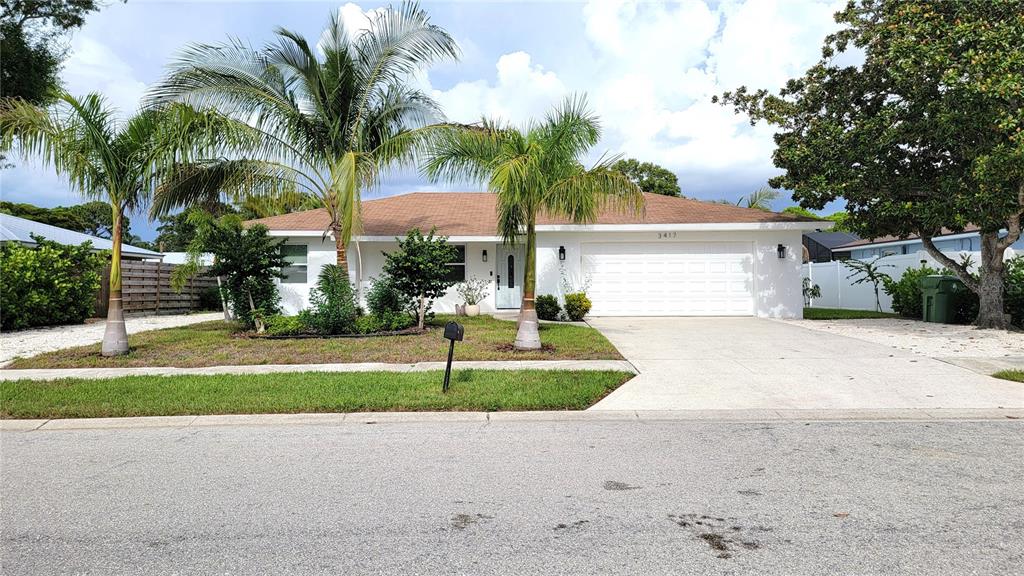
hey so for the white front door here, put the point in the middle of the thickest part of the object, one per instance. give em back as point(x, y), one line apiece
point(670, 279)
point(508, 276)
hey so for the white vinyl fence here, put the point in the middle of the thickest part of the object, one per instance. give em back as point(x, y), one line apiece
point(838, 290)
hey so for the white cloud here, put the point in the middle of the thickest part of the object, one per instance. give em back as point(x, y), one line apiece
point(94, 67)
point(521, 90)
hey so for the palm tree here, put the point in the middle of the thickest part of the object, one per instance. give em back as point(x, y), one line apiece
point(326, 119)
point(104, 157)
point(533, 170)
point(760, 199)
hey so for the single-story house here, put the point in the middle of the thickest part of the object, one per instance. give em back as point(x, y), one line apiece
point(969, 240)
point(679, 257)
point(21, 230)
point(823, 246)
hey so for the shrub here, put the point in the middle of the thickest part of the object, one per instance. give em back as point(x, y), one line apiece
point(473, 291)
point(906, 292)
point(1013, 296)
point(47, 284)
point(248, 260)
point(577, 305)
point(371, 324)
point(547, 307)
point(332, 303)
point(383, 299)
point(419, 269)
point(209, 298)
point(285, 325)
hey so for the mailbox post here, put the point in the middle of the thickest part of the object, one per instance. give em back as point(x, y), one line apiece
point(452, 332)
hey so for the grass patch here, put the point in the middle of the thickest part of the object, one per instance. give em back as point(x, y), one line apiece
point(1015, 375)
point(487, 390)
point(838, 314)
point(219, 344)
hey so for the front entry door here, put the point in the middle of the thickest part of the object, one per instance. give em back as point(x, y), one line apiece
point(509, 276)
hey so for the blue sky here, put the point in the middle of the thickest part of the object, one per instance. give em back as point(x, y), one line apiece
point(649, 70)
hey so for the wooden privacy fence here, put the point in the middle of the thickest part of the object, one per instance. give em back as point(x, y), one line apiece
point(146, 289)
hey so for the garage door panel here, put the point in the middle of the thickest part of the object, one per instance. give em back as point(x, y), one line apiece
point(666, 279)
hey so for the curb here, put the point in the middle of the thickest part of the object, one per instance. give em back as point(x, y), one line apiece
point(364, 418)
point(93, 373)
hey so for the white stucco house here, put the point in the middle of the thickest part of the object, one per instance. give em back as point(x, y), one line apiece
point(679, 257)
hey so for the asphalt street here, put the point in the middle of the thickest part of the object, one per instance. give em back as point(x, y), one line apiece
point(517, 498)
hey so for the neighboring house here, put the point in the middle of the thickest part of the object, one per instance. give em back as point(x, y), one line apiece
point(948, 241)
point(822, 246)
point(15, 229)
point(680, 257)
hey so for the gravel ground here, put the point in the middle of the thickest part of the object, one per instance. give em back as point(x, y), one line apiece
point(31, 342)
point(925, 338)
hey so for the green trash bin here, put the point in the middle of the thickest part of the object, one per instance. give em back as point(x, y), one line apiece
point(939, 295)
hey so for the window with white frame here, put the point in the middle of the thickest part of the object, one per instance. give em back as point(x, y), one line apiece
point(457, 267)
point(296, 267)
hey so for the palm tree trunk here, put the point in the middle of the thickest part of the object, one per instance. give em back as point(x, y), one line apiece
point(342, 250)
point(115, 335)
point(528, 335)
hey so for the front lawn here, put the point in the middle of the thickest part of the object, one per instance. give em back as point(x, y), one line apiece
point(1015, 375)
point(487, 390)
point(218, 344)
point(838, 314)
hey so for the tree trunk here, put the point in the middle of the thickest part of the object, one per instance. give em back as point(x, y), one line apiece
point(421, 313)
point(989, 285)
point(341, 248)
point(528, 334)
point(115, 335)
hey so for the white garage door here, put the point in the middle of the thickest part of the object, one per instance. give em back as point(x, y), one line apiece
point(670, 279)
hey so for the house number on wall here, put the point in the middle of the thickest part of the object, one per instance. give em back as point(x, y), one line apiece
point(664, 235)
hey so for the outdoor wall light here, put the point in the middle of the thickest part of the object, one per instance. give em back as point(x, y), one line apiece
point(561, 253)
point(782, 251)
point(485, 255)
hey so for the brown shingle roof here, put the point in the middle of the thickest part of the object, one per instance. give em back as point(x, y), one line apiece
point(474, 214)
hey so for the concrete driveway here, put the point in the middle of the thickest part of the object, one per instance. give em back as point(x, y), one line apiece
point(756, 364)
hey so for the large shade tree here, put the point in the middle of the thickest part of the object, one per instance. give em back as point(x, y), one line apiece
point(109, 158)
point(533, 170)
point(926, 133)
point(327, 117)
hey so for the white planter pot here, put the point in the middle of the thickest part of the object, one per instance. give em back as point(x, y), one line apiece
point(472, 309)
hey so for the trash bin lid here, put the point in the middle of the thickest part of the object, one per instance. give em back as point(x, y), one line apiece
point(932, 281)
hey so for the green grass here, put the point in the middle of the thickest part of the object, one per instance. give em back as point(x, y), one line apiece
point(219, 343)
point(837, 314)
point(487, 390)
point(1015, 375)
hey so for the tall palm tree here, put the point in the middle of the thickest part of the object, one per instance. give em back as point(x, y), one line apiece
point(327, 119)
point(534, 170)
point(107, 158)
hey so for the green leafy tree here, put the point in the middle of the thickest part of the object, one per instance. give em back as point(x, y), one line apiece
point(533, 170)
point(419, 269)
point(60, 216)
point(926, 133)
point(176, 231)
point(328, 116)
point(801, 212)
point(649, 177)
point(47, 284)
point(869, 271)
point(105, 158)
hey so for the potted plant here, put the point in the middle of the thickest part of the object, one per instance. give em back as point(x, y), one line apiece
point(472, 291)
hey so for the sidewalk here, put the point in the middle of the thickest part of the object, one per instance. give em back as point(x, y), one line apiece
point(56, 373)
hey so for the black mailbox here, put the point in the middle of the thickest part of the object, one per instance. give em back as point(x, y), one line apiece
point(453, 331)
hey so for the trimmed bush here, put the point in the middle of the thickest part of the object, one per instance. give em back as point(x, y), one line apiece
point(577, 305)
point(49, 284)
point(906, 292)
point(372, 324)
point(547, 307)
point(285, 326)
point(383, 299)
point(332, 303)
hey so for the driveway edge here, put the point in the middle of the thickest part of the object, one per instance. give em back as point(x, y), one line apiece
point(368, 418)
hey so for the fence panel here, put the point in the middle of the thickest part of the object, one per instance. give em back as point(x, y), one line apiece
point(839, 291)
point(146, 289)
